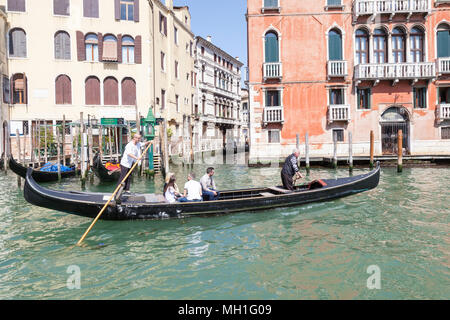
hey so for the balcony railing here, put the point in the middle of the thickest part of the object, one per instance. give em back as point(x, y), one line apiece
point(443, 65)
point(395, 71)
point(338, 112)
point(273, 115)
point(337, 68)
point(373, 7)
point(273, 70)
point(444, 111)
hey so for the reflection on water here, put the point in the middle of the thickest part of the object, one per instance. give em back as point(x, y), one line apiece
point(315, 251)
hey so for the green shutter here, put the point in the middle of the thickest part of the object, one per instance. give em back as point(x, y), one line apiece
point(271, 48)
point(443, 44)
point(334, 45)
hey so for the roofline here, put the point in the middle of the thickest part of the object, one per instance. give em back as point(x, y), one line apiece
point(210, 45)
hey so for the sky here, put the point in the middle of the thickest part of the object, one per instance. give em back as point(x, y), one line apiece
point(224, 21)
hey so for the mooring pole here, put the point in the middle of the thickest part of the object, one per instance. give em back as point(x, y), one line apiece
point(371, 149)
point(19, 181)
point(350, 152)
point(400, 151)
point(334, 151)
point(307, 152)
point(58, 154)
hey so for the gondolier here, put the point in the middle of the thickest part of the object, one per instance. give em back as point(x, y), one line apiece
point(130, 156)
point(290, 168)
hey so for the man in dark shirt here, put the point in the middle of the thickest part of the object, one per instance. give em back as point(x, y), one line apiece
point(290, 168)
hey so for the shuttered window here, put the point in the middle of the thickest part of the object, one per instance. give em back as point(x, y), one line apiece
point(17, 43)
point(127, 49)
point(63, 90)
point(6, 90)
point(420, 97)
point(271, 47)
point(273, 98)
point(62, 45)
point(162, 24)
point(138, 50)
point(127, 10)
point(109, 48)
point(364, 98)
point(92, 91)
point(90, 8)
point(91, 47)
point(128, 92)
point(110, 92)
point(61, 7)
point(443, 41)
point(334, 45)
point(16, 5)
point(19, 88)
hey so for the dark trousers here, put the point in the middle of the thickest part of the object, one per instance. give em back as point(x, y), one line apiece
point(208, 196)
point(288, 182)
point(123, 173)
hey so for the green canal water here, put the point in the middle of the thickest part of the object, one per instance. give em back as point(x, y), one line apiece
point(316, 251)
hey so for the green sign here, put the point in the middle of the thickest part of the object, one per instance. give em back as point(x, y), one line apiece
point(111, 121)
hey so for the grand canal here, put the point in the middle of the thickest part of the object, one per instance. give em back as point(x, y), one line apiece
point(316, 251)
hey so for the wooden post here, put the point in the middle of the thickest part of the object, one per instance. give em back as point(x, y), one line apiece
point(138, 119)
point(30, 134)
point(90, 143)
point(128, 131)
point(45, 142)
point(350, 153)
point(334, 151)
point(58, 154)
point(100, 141)
point(39, 143)
point(297, 146)
point(307, 152)
point(110, 144)
point(24, 148)
point(116, 142)
point(400, 151)
point(19, 181)
point(75, 144)
point(371, 149)
point(64, 139)
point(72, 148)
point(165, 146)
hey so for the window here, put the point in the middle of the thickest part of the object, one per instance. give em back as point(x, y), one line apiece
point(91, 44)
point(337, 96)
point(6, 90)
point(363, 96)
point(176, 69)
point(127, 49)
point(190, 48)
point(163, 99)
point(274, 136)
point(109, 48)
point(17, 43)
point(270, 47)
point(63, 90)
point(362, 46)
point(20, 91)
point(334, 45)
point(90, 8)
point(398, 45)
point(175, 35)
point(110, 92)
point(203, 50)
point(334, 3)
point(61, 7)
point(163, 24)
point(128, 92)
point(177, 103)
point(445, 133)
point(417, 45)
point(92, 91)
point(273, 98)
point(16, 5)
point(270, 4)
point(338, 135)
point(163, 62)
point(443, 41)
point(444, 95)
point(62, 45)
point(127, 10)
point(420, 97)
point(380, 46)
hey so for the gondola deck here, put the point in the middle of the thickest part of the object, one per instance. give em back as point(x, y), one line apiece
point(153, 206)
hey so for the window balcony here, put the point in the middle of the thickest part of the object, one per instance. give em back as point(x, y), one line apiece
point(272, 70)
point(337, 69)
point(443, 66)
point(444, 111)
point(338, 112)
point(391, 7)
point(273, 115)
point(395, 71)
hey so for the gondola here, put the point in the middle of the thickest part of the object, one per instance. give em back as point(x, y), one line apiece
point(39, 176)
point(153, 206)
point(102, 173)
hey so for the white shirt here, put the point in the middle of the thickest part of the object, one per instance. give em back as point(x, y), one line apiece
point(170, 195)
point(194, 190)
point(131, 148)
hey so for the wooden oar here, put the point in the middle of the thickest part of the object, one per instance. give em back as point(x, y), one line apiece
point(112, 196)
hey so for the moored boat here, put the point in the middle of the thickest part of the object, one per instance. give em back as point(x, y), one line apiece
point(103, 173)
point(154, 206)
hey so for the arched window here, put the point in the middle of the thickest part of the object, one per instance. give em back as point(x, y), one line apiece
point(417, 45)
point(380, 46)
point(109, 48)
point(127, 49)
point(92, 91)
point(63, 90)
point(110, 92)
point(62, 45)
point(17, 43)
point(334, 45)
point(271, 47)
point(19, 88)
point(128, 92)
point(91, 43)
point(443, 41)
point(399, 45)
point(362, 46)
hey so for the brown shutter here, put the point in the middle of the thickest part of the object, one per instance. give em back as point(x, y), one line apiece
point(59, 99)
point(138, 49)
point(128, 92)
point(81, 47)
point(136, 11)
point(100, 47)
point(92, 91)
point(119, 48)
point(111, 92)
point(25, 91)
point(16, 5)
point(67, 90)
point(117, 9)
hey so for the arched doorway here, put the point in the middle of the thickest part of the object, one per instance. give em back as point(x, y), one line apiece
point(393, 120)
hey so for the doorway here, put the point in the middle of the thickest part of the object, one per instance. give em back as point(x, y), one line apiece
point(393, 120)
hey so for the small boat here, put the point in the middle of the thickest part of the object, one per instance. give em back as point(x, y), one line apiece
point(39, 176)
point(104, 174)
point(154, 206)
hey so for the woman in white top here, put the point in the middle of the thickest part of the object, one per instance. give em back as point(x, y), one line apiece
point(170, 191)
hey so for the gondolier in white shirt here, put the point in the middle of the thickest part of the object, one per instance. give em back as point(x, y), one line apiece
point(130, 156)
point(290, 169)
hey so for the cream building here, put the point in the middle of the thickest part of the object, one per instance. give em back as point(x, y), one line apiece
point(4, 106)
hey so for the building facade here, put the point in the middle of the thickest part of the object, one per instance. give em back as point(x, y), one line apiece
point(4, 105)
point(333, 67)
point(217, 109)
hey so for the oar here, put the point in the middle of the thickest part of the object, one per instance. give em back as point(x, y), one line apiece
point(112, 196)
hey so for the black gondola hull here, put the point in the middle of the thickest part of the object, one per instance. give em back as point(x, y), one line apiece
point(102, 173)
point(38, 176)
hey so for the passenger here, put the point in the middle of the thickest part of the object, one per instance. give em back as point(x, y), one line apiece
point(209, 186)
point(171, 190)
point(192, 190)
point(168, 176)
point(290, 169)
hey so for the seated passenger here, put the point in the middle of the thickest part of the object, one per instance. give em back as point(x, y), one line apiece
point(171, 190)
point(209, 186)
point(192, 190)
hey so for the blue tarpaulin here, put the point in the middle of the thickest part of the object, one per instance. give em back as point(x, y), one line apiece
point(53, 167)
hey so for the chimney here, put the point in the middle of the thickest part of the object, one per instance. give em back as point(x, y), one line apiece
point(237, 58)
point(208, 38)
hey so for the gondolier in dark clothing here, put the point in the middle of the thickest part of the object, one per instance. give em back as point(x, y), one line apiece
point(290, 169)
